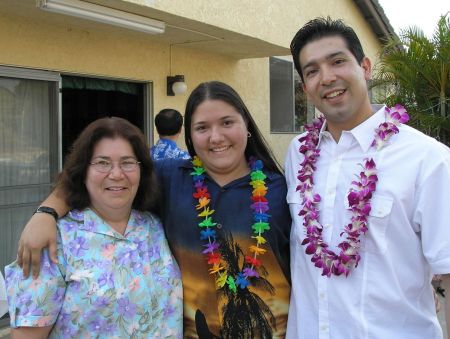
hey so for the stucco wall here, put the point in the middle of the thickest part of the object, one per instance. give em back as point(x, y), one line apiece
point(275, 21)
point(105, 51)
point(119, 54)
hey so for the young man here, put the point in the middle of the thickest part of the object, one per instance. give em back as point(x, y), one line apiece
point(371, 223)
point(168, 124)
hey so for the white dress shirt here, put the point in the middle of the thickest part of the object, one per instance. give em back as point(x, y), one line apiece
point(3, 303)
point(389, 294)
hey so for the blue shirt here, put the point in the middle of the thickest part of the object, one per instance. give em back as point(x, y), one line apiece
point(232, 211)
point(167, 149)
point(106, 285)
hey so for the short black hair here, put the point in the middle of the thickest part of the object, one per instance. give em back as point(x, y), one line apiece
point(324, 27)
point(73, 176)
point(215, 90)
point(168, 122)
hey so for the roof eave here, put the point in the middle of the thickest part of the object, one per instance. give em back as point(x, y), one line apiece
point(374, 14)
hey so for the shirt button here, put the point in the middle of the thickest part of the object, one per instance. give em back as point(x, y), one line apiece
point(323, 327)
point(322, 295)
point(219, 226)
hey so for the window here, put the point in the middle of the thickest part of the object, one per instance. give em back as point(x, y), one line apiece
point(28, 150)
point(377, 92)
point(304, 111)
point(289, 109)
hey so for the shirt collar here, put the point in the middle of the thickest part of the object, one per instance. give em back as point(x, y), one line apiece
point(91, 222)
point(167, 141)
point(364, 132)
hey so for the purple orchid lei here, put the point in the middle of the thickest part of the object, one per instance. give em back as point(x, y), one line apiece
point(359, 197)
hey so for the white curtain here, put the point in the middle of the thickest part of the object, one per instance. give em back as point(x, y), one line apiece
point(24, 156)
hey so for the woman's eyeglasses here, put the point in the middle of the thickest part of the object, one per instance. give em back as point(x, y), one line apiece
point(106, 166)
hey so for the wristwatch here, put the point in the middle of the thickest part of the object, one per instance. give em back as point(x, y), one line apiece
point(48, 210)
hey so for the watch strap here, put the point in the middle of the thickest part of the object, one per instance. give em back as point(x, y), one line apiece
point(48, 210)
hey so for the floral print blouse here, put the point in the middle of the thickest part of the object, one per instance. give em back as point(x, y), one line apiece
point(106, 285)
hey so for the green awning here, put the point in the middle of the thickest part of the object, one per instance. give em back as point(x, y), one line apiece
point(73, 82)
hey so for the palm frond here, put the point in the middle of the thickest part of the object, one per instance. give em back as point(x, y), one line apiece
point(245, 314)
point(415, 70)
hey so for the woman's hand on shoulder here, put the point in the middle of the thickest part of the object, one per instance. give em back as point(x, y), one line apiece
point(39, 232)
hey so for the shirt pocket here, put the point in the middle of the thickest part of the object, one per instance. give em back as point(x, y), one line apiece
point(293, 196)
point(374, 241)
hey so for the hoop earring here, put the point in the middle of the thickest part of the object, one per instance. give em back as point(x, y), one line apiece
point(249, 135)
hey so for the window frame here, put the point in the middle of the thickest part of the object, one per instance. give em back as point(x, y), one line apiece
point(54, 79)
point(294, 79)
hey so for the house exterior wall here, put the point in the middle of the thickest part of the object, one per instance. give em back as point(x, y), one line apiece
point(274, 21)
point(119, 53)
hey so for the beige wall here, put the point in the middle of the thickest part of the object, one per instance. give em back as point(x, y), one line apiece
point(274, 21)
point(100, 50)
point(115, 53)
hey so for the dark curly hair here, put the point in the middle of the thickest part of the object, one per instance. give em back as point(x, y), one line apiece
point(72, 179)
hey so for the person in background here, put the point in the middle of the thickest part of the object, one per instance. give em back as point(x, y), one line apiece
point(115, 276)
point(226, 220)
point(169, 123)
point(368, 197)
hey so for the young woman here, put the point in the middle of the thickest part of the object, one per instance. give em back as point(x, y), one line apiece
point(115, 275)
point(226, 220)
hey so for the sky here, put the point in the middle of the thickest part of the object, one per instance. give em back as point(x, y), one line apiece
point(422, 13)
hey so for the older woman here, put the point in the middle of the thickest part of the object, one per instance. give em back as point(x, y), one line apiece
point(115, 275)
point(226, 220)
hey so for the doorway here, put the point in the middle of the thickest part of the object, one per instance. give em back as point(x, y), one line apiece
point(87, 99)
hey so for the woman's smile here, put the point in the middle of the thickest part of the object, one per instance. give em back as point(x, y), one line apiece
point(219, 136)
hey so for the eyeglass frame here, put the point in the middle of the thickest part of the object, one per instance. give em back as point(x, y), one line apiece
point(97, 165)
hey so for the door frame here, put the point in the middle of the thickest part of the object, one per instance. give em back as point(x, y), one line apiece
point(147, 104)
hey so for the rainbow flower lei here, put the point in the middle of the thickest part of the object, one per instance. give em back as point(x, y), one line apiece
point(259, 205)
point(359, 197)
